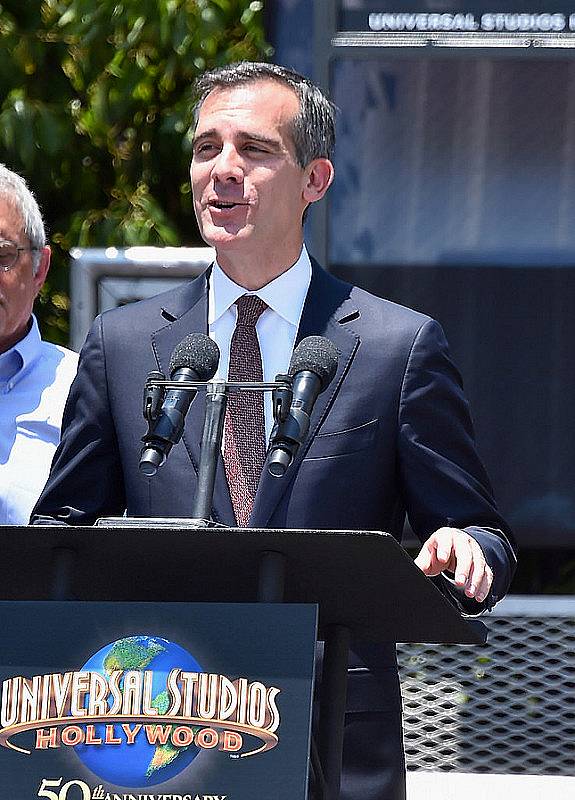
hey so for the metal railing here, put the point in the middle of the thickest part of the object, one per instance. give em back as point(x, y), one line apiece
point(505, 707)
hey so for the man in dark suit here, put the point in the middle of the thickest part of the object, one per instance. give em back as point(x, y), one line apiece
point(390, 436)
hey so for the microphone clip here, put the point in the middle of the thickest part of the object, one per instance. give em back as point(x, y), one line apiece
point(282, 398)
point(153, 397)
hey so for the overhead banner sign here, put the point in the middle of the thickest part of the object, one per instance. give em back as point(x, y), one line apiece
point(110, 701)
point(461, 16)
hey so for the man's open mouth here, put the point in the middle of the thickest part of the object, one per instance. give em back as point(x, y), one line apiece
point(224, 205)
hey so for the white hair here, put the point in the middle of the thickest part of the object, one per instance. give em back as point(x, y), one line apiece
point(15, 189)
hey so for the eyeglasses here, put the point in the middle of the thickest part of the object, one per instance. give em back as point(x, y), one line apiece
point(9, 254)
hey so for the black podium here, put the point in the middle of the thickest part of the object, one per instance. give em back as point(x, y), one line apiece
point(365, 585)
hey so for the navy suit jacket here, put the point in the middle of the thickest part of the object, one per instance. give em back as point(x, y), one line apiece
point(391, 435)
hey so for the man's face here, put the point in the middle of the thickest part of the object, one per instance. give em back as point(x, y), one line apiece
point(248, 188)
point(19, 286)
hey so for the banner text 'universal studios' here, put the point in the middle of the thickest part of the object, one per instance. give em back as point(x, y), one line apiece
point(205, 709)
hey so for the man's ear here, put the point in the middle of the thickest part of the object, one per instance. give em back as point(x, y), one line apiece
point(318, 178)
point(43, 268)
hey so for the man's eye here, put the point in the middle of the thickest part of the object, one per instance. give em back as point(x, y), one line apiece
point(204, 148)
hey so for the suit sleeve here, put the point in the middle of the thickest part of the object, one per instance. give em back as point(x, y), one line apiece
point(86, 479)
point(445, 483)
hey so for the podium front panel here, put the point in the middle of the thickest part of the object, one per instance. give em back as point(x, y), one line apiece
point(102, 701)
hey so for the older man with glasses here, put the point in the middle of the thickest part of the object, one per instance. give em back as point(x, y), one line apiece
point(34, 375)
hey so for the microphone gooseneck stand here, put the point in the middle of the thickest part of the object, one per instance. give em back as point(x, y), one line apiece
point(211, 444)
point(216, 401)
point(213, 428)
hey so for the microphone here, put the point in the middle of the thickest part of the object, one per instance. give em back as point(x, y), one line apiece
point(195, 358)
point(312, 367)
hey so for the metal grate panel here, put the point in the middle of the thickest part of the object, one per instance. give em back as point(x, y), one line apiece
point(506, 707)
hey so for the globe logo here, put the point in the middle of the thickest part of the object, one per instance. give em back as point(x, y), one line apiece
point(138, 763)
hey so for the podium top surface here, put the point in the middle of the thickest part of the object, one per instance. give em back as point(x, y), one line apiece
point(363, 580)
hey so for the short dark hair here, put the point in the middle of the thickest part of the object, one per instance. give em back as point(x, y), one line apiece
point(313, 127)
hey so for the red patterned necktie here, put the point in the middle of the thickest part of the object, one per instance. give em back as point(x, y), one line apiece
point(244, 436)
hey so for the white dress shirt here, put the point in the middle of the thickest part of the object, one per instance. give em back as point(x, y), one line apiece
point(276, 328)
point(34, 380)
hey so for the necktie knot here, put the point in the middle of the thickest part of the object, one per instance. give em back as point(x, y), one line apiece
point(250, 308)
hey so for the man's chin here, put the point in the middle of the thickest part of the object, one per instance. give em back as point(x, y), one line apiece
point(225, 235)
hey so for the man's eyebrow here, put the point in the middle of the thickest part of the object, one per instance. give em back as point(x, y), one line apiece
point(243, 136)
point(257, 137)
point(205, 135)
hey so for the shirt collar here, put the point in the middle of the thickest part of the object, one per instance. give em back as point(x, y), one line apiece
point(24, 353)
point(285, 294)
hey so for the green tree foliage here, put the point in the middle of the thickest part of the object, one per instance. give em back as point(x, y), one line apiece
point(95, 110)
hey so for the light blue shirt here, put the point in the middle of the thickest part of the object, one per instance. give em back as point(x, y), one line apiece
point(35, 377)
point(276, 328)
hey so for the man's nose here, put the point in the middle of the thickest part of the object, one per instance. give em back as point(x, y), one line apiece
point(228, 166)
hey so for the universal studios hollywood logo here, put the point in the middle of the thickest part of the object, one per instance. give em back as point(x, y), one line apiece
point(138, 712)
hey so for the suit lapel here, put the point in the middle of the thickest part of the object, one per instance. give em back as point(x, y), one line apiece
point(188, 313)
point(326, 312)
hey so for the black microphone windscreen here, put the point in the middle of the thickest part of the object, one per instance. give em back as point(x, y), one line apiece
point(198, 352)
point(318, 355)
